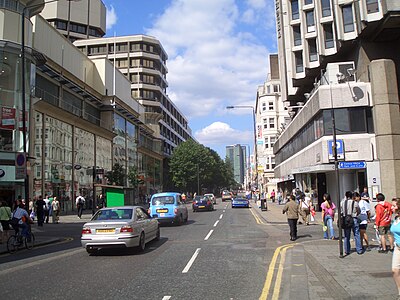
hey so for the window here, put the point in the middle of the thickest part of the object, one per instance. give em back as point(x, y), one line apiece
point(268, 89)
point(272, 162)
point(266, 143)
point(264, 106)
point(298, 55)
point(122, 47)
point(297, 35)
point(306, 2)
point(135, 47)
point(372, 6)
point(61, 25)
point(348, 23)
point(312, 50)
point(295, 9)
point(271, 122)
point(272, 141)
point(270, 105)
point(310, 21)
point(329, 43)
point(326, 8)
point(276, 88)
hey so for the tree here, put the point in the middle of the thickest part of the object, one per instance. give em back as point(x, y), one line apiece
point(116, 176)
point(191, 163)
point(133, 178)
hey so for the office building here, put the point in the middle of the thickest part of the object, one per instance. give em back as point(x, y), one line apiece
point(237, 157)
point(340, 57)
point(271, 119)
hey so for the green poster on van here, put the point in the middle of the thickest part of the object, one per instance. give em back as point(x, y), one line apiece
point(115, 197)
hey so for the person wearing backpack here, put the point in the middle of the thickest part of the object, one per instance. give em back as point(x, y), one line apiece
point(350, 212)
point(383, 219)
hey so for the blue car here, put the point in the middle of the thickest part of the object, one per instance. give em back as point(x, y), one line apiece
point(168, 207)
point(240, 202)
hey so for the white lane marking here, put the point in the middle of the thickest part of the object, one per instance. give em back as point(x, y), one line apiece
point(191, 261)
point(40, 261)
point(208, 235)
point(216, 223)
point(166, 297)
point(220, 217)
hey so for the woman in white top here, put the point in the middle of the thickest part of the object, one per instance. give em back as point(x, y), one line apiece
point(363, 218)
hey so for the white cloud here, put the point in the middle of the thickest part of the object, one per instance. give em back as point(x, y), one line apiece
point(219, 133)
point(111, 17)
point(257, 3)
point(212, 63)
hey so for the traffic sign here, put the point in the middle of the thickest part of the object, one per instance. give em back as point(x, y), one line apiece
point(20, 165)
point(352, 165)
point(339, 149)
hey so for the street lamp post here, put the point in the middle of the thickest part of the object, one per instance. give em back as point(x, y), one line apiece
point(255, 141)
point(335, 158)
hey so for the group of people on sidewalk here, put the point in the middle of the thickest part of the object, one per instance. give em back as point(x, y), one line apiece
point(355, 218)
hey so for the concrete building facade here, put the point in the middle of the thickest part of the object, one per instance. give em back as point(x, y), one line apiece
point(142, 60)
point(77, 128)
point(341, 57)
point(271, 119)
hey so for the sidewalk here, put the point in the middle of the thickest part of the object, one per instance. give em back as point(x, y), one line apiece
point(316, 264)
point(42, 236)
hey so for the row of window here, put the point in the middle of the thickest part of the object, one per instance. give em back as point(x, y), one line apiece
point(269, 142)
point(348, 121)
point(270, 106)
point(269, 123)
point(371, 5)
point(78, 28)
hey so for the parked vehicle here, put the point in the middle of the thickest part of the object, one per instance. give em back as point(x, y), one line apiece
point(119, 227)
point(168, 207)
point(212, 198)
point(226, 195)
point(240, 202)
point(202, 203)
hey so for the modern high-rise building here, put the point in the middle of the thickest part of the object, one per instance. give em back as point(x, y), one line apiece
point(271, 119)
point(237, 157)
point(77, 20)
point(339, 59)
point(142, 60)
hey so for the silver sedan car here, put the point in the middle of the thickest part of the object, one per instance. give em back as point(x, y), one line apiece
point(119, 227)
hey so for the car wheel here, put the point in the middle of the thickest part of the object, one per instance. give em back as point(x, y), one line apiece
point(91, 250)
point(158, 234)
point(142, 242)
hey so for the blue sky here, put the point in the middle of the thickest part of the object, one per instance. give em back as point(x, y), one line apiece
point(217, 56)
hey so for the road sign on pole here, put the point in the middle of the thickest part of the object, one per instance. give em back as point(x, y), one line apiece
point(20, 165)
point(352, 165)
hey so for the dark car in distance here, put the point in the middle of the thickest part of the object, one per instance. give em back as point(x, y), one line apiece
point(202, 203)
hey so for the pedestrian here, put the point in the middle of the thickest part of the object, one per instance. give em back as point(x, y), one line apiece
point(46, 209)
point(304, 209)
point(101, 202)
point(55, 207)
point(395, 229)
point(273, 195)
point(365, 195)
point(40, 205)
point(280, 198)
point(350, 212)
point(292, 211)
point(328, 216)
point(363, 218)
point(383, 212)
point(5, 216)
point(31, 206)
point(80, 202)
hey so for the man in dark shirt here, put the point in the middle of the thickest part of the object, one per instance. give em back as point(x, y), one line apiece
point(40, 210)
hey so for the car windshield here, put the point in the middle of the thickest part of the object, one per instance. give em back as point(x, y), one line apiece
point(225, 193)
point(113, 214)
point(163, 200)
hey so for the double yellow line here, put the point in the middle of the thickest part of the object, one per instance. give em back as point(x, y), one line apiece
point(280, 251)
point(258, 220)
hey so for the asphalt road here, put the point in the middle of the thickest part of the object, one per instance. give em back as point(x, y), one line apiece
point(223, 254)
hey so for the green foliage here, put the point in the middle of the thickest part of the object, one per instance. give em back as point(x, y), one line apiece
point(191, 163)
point(133, 178)
point(116, 176)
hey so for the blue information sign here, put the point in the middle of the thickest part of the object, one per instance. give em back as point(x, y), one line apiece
point(339, 147)
point(352, 165)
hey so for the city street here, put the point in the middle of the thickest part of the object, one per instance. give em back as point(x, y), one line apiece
point(224, 254)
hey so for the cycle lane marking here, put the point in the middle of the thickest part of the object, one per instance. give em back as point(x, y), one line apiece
point(216, 223)
point(208, 235)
